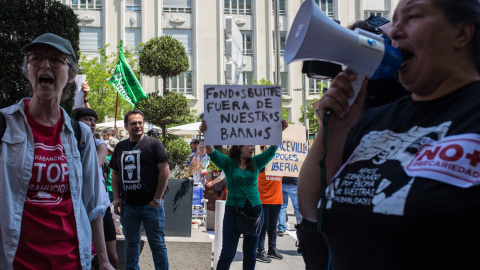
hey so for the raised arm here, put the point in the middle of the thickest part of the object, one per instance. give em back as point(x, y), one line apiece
point(203, 127)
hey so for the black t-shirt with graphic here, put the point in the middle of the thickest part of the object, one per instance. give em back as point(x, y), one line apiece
point(404, 198)
point(138, 168)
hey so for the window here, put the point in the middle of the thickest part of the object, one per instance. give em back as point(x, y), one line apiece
point(283, 41)
point(284, 82)
point(90, 40)
point(238, 7)
point(87, 4)
point(383, 14)
point(283, 10)
point(177, 6)
point(133, 36)
point(247, 77)
point(316, 87)
point(133, 5)
point(326, 6)
point(182, 83)
point(247, 43)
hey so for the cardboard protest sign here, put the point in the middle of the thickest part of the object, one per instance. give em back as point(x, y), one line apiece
point(290, 153)
point(243, 114)
point(79, 80)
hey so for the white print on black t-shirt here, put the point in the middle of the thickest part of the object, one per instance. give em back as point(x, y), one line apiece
point(130, 161)
point(374, 175)
point(455, 160)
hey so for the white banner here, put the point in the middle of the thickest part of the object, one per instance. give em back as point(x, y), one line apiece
point(290, 154)
point(243, 114)
point(79, 80)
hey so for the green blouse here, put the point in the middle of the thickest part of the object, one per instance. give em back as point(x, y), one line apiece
point(245, 181)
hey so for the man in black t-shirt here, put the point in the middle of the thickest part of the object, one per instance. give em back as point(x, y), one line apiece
point(139, 179)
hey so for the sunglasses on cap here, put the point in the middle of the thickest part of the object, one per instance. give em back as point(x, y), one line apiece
point(374, 22)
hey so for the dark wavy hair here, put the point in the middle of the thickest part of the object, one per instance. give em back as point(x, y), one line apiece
point(136, 111)
point(460, 11)
point(81, 112)
point(235, 152)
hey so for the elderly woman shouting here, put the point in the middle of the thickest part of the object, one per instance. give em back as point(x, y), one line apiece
point(50, 194)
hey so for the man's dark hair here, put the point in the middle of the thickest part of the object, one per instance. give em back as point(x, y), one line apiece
point(125, 119)
point(81, 112)
point(195, 141)
point(153, 132)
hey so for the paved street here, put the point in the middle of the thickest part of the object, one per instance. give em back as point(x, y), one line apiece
point(286, 246)
point(177, 250)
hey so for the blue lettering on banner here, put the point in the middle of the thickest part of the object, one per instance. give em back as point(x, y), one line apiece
point(294, 147)
point(284, 167)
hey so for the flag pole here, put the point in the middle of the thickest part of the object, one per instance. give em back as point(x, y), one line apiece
point(115, 123)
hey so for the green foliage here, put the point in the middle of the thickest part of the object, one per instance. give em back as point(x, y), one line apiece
point(312, 119)
point(191, 118)
point(212, 167)
point(262, 81)
point(170, 109)
point(21, 21)
point(163, 57)
point(177, 149)
point(102, 96)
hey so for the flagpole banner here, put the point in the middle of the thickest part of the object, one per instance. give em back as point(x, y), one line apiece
point(243, 114)
point(291, 153)
point(125, 81)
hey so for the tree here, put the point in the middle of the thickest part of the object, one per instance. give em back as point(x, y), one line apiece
point(21, 21)
point(163, 57)
point(312, 118)
point(263, 81)
point(177, 149)
point(102, 96)
point(170, 109)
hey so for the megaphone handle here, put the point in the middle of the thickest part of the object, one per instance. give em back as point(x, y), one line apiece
point(357, 84)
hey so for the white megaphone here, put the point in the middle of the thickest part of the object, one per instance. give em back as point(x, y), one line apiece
point(314, 36)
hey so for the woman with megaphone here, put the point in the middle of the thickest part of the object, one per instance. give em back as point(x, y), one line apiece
point(398, 185)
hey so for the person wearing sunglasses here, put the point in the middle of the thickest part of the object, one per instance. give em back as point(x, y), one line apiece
point(50, 189)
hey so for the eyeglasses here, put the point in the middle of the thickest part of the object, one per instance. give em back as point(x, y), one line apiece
point(55, 61)
point(136, 123)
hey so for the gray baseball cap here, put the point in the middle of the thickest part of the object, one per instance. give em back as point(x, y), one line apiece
point(53, 40)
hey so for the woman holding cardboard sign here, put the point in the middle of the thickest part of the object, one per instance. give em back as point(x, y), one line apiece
point(243, 204)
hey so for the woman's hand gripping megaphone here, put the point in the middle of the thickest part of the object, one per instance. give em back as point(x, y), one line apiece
point(343, 100)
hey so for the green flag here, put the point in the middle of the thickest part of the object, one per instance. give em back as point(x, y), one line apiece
point(125, 82)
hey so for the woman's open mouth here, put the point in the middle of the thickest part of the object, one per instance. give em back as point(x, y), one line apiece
point(407, 56)
point(45, 80)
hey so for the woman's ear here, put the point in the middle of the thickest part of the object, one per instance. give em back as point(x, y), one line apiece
point(465, 33)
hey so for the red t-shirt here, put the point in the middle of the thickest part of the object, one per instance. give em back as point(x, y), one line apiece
point(270, 188)
point(48, 236)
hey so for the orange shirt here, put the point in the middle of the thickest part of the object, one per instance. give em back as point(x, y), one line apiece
point(270, 188)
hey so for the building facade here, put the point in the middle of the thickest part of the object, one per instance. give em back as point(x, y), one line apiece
point(200, 26)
